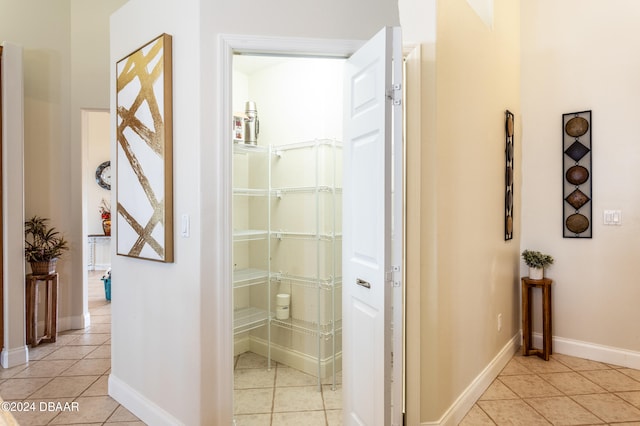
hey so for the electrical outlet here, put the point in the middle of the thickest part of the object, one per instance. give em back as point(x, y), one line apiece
point(499, 322)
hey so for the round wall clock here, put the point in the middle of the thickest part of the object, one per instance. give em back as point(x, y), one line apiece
point(103, 175)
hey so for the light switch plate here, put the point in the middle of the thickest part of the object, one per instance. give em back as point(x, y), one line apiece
point(185, 226)
point(612, 217)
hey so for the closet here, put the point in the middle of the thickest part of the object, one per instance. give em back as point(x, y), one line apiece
point(287, 202)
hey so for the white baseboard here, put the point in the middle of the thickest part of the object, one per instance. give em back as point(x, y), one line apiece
point(86, 320)
point(592, 351)
point(561, 345)
point(470, 395)
point(240, 344)
point(76, 322)
point(298, 360)
point(16, 356)
point(139, 405)
point(101, 266)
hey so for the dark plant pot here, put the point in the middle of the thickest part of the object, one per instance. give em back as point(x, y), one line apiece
point(44, 267)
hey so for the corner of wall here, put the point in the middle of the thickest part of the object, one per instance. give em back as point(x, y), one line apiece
point(138, 404)
point(13, 205)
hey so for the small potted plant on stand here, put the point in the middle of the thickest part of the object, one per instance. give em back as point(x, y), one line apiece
point(43, 246)
point(536, 261)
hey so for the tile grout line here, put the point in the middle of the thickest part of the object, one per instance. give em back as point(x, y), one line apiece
point(544, 376)
point(570, 396)
point(75, 340)
point(273, 398)
point(566, 394)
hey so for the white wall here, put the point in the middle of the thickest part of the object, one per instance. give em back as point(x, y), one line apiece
point(582, 55)
point(156, 326)
point(292, 110)
point(168, 318)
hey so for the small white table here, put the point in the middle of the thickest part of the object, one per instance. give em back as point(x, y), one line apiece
point(95, 240)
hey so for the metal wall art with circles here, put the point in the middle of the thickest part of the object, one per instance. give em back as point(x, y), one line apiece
point(577, 128)
point(508, 197)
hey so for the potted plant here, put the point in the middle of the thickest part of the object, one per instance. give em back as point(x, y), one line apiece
point(536, 261)
point(43, 245)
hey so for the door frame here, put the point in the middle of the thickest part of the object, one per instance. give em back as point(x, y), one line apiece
point(14, 352)
point(1, 222)
point(228, 44)
point(411, 266)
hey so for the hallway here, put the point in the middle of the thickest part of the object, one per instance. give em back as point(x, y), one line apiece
point(73, 369)
point(563, 391)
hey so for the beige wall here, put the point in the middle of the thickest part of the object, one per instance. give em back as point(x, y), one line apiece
point(469, 273)
point(65, 69)
point(478, 77)
point(90, 70)
point(14, 351)
point(45, 40)
point(96, 141)
point(581, 55)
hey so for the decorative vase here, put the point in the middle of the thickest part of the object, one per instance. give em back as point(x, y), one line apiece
point(44, 268)
point(106, 226)
point(536, 273)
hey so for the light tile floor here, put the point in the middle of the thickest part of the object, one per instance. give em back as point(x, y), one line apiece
point(562, 391)
point(74, 369)
point(529, 391)
point(283, 396)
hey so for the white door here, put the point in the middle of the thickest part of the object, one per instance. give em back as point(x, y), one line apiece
point(372, 251)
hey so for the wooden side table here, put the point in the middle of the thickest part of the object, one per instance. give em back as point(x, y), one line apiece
point(527, 347)
point(51, 308)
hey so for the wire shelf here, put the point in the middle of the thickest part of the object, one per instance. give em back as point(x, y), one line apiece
point(245, 319)
point(279, 192)
point(328, 283)
point(325, 331)
point(282, 235)
point(249, 276)
point(250, 192)
point(278, 149)
point(250, 234)
point(241, 148)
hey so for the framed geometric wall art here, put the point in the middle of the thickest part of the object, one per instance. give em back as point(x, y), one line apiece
point(144, 166)
point(508, 195)
point(577, 175)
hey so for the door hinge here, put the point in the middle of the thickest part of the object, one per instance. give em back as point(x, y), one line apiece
point(394, 276)
point(394, 94)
